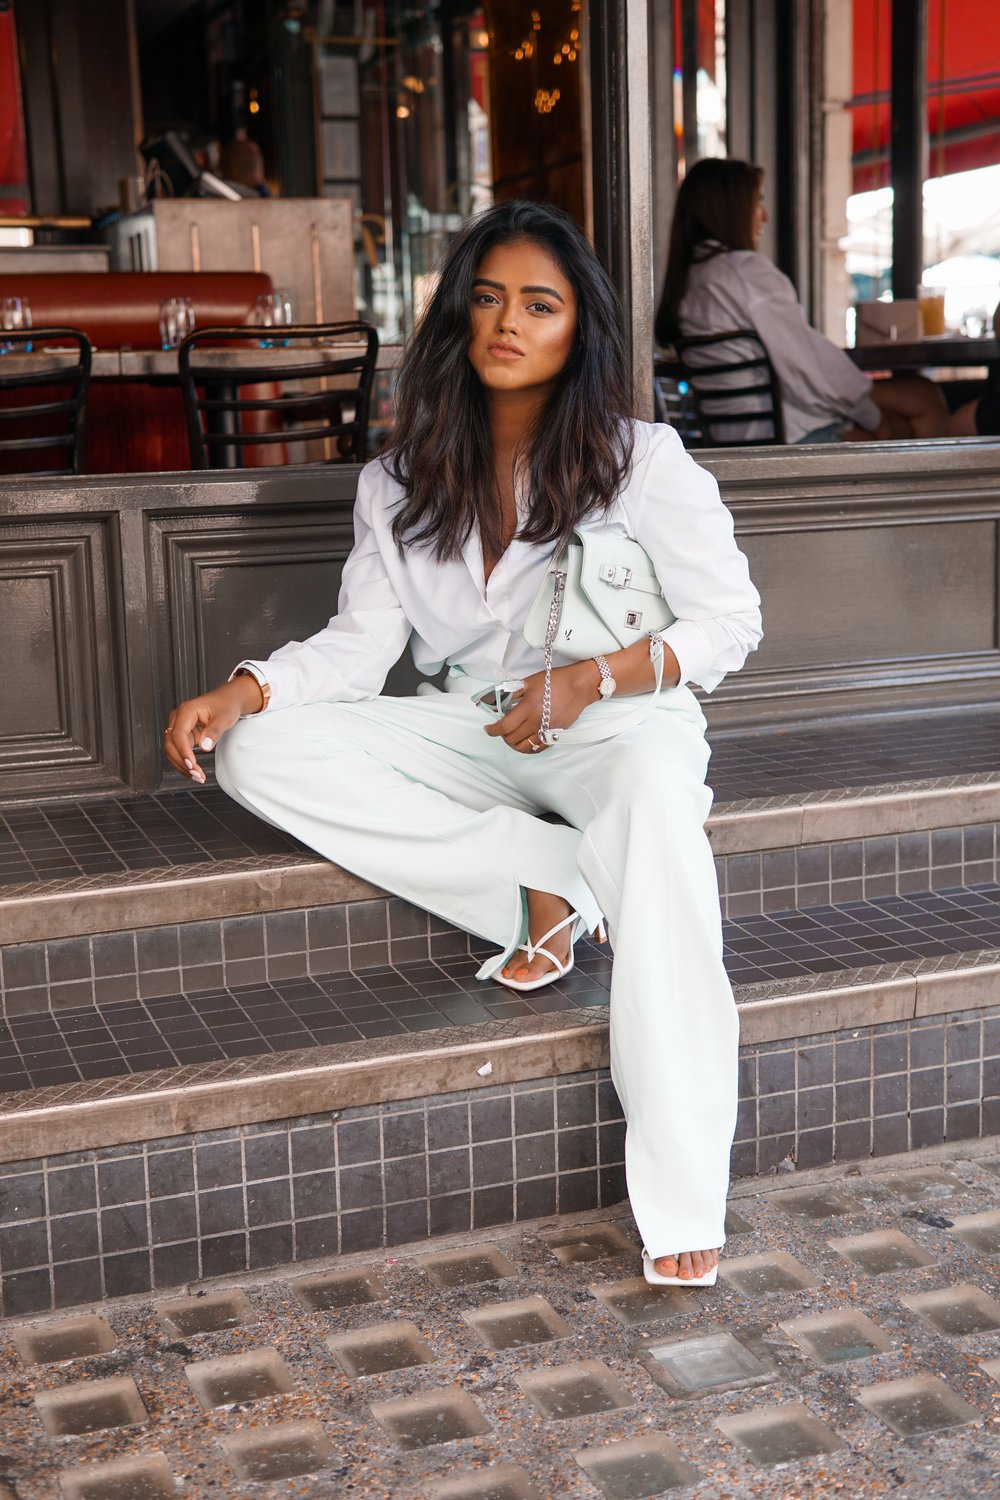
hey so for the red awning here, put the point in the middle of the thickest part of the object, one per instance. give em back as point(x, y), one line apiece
point(963, 89)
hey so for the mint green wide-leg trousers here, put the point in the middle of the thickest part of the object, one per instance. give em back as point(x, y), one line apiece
point(413, 795)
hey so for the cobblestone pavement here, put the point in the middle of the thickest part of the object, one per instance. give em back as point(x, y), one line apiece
point(851, 1348)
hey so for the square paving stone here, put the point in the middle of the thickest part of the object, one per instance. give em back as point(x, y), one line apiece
point(633, 1302)
point(814, 1203)
point(737, 1224)
point(453, 1268)
point(979, 1231)
point(91, 1406)
point(780, 1434)
point(235, 1378)
point(918, 1183)
point(689, 1365)
point(955, 1310)
point(279, 1451)
point(146, 1477)
point(920, 1404)
point(588, 1242)
point(208, 1313)
point(499, 1483)
point(991, 1367)
point(374, 1351)
point(70, 1338)
point(835, 1337)
point(510, 1325)
point(774, 1271)
point(577, 1390)
point(637, 1468)
point(338, 1289)
point(439, 1416)
point(885, 1250)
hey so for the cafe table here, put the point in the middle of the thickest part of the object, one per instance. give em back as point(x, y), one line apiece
point(949, 351)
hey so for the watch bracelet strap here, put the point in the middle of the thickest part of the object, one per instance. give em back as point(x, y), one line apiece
point(250, 669)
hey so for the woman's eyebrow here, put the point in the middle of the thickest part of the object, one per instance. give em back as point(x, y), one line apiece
point(498, 286)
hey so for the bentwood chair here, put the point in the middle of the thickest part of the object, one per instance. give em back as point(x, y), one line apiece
point(43, 398)
point(309, 393)
point(732, 386)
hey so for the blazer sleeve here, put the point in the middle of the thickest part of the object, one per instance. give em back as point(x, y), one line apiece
point(804, 359)
point(351, 656)
point(677, 515)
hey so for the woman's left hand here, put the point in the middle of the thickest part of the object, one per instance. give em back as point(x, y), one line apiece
point(572, 689)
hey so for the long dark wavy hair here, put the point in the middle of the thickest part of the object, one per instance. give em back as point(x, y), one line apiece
point(715, 203)
point(579, 453)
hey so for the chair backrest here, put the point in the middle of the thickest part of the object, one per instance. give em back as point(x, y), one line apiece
point(42, 399)
point(121, 309)
point(733, 388)
point(673, 401)
point(323, 373)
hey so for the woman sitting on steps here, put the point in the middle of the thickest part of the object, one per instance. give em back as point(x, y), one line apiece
point(515, 427)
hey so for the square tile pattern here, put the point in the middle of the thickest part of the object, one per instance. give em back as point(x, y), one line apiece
point(513, 1364)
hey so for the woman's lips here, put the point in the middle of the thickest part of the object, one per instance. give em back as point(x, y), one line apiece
point(504, 351)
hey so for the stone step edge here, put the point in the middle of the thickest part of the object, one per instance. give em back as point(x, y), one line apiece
point(86, 905)
point(243, 1091)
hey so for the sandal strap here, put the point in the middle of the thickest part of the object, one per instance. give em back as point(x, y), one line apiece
point(533, 948)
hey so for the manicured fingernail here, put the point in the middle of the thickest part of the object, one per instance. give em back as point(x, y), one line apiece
point(189, 764)
point(207, 744)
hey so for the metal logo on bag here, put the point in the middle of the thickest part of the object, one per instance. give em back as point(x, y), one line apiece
point(633, 619)
point(567, 633)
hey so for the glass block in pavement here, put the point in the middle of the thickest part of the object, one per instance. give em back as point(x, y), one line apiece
point(575, 1390)
point(589, 1242)
point(91, 1406)
point(509, 1325)
point(71, 1338)
point(882, 1251)
point(774, 1271)
point(708, 1361)
point(835, 1337)
point(438, 1416)
point(374, 1351)
point(452, 1268)
point(186, 1316)
point(955, 1310)
point(979, 1231)
point(635, 1301)
point(637, 1467)
point(780, 1434)
point(498, 1482)
point(147, 1477)
point(917, 1183)
point(239, 1377)
point(281, 1450)
point(917, 1405)
point(338, 1289)
point(814, 1203)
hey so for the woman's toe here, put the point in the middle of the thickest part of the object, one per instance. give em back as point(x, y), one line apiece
point(666, 1265)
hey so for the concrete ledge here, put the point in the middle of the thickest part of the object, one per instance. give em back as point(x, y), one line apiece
point(210, 1096)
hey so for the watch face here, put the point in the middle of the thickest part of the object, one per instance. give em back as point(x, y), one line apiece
point(607, 687)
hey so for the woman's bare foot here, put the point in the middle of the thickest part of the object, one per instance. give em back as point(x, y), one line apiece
point(544, 912)
point(689, 1264)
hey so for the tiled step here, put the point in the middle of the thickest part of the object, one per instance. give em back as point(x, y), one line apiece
point(229, 1055)
point(828, 813)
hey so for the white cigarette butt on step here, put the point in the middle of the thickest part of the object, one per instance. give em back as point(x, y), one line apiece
point(485, 1070)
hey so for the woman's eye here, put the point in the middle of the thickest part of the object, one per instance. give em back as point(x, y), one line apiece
point(539, 307)
point(479, 298)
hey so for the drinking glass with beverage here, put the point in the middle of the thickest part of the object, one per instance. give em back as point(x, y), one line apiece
point(176, 321)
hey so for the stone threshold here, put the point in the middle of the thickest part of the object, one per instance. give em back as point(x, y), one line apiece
point(215, 1095)
point(85, 905)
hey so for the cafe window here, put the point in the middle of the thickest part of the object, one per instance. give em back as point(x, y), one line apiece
point(961, 187)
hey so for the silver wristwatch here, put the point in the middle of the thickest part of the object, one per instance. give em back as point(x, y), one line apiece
point(607, 684)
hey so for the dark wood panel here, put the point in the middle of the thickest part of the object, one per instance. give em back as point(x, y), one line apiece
point(59, 713)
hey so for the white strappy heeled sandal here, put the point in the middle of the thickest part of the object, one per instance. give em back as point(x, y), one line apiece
point(559, 969)
point(654, 1277)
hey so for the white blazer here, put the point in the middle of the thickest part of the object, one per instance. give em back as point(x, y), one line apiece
point(450, 616)
point(819, 382)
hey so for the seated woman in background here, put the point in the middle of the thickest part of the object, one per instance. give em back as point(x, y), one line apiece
point(717, 280)
point(979, 418)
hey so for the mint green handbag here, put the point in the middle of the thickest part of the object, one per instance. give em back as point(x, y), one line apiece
point(600, 595)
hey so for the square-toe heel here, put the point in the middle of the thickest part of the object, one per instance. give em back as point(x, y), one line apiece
point(654, 1278)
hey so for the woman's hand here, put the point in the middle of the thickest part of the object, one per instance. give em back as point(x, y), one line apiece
point(572, 689)
point(198, 722)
